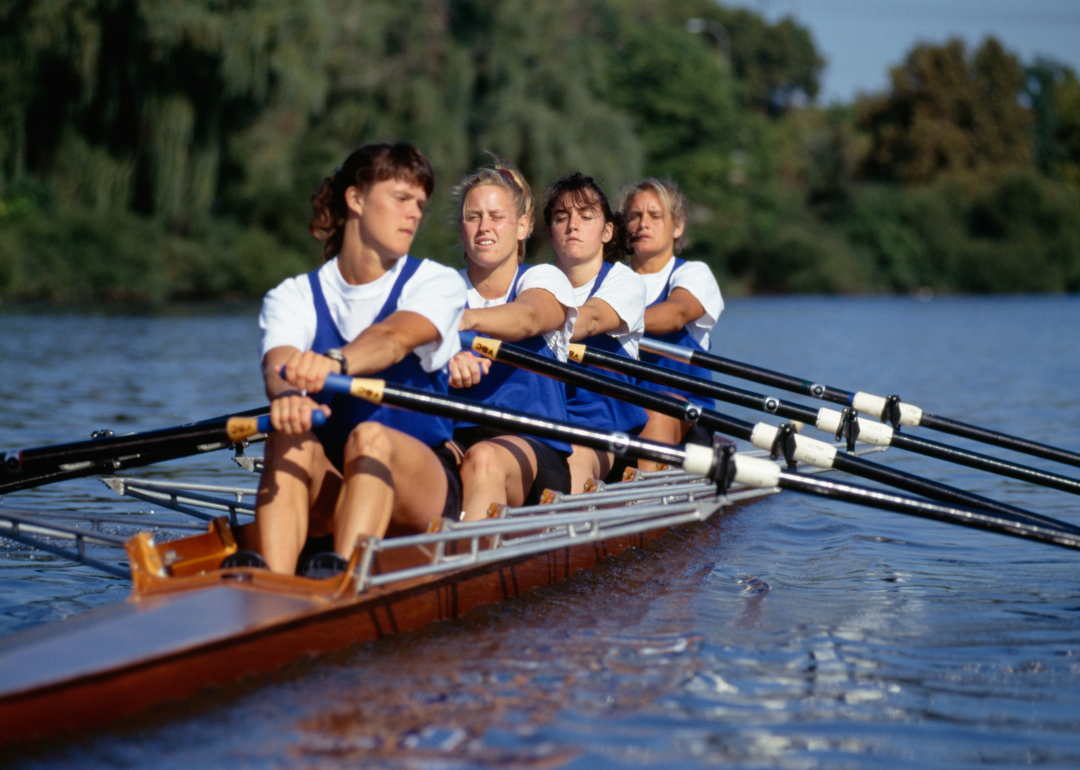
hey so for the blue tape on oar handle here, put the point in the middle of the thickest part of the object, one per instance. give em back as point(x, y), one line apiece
point(338, 383)
point(467, 339)
point(318, 417)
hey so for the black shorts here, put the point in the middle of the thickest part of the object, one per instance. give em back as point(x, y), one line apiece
point(452, 506)
point(552, 466)
point(698, 435)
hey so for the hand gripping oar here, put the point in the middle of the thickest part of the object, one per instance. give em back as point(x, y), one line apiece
point(840, 424)
point(720, 464)
point(889, 409)
point(33, 467)
point(783, 440)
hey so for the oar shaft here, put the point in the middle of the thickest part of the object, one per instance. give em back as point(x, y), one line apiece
point(675, 379)
point(762, 435)
point(747, 371)
point(36, 467)
point(1015, 443)
point(168, 439)
point(864, 402)
point(773, 405)
point(716, 464)
point(928, 510)
point(695, 459)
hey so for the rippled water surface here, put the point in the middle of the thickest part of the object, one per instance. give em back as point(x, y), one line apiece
point(792, 632)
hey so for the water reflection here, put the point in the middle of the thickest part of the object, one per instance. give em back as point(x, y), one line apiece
point(794, 632)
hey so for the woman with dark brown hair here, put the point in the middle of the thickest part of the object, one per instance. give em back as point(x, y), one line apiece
point(370, 310)
point(591, 244)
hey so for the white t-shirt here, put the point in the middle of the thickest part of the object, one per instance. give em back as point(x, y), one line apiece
point(696, 278)
point(624, 290)
point(546, 277)
point(434, 291)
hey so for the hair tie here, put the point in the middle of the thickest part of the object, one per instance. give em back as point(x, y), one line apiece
point(508, 175)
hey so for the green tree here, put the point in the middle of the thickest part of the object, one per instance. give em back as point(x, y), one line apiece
point(948, 112)
point(1054, 92)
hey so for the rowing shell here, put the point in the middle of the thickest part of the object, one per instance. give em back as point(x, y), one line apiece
point(188, 624)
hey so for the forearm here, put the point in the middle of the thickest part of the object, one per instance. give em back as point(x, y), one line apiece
point(377, 348)
point(666, 317)
point(592, 321)
point(511, 322)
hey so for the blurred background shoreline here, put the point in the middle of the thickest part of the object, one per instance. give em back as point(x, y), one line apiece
point(161, 153)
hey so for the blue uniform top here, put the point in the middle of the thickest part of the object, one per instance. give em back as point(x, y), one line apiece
point(347, 411)
point(508, 387)
point(600, 412)
point(682, 338)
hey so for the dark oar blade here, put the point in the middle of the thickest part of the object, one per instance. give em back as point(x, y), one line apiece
point(875, 406)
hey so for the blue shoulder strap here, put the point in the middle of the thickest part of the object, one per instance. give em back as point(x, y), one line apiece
point(408, 270)
point(517, 277)
point(604, 270)
point(679, 262)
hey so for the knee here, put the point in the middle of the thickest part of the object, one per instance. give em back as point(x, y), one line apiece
point(481, 462)
point(369, 439)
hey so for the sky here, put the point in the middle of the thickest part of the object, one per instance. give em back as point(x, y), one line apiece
point(862, 39)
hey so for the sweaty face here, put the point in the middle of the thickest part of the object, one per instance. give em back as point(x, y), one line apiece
point(578, 233)
point(390, 213)
point(490, 227)
point(652, 229)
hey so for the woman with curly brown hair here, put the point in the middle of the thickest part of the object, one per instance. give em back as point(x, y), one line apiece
point(370, 310)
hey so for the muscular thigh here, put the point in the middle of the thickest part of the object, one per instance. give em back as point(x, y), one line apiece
point(420, 484)
point(518, 461)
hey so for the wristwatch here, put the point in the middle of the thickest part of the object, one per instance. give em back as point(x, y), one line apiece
point(337, 355)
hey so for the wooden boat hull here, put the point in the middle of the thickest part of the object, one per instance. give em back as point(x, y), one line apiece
point(212, 628)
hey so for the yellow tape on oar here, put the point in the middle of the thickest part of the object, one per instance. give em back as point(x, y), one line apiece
point(486, 347)
point(240, 428)
point(577, 352)
point(368, 389)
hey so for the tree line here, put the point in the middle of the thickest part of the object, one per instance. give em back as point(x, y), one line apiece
point(154, 152)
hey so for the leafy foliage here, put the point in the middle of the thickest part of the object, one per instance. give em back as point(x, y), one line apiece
point(948, 112)
point(166, 150)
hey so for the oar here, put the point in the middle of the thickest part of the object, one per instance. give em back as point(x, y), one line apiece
point(794, 447)
point(840, 424)
point(889, 409)
point(720, 464)
point(28, 468)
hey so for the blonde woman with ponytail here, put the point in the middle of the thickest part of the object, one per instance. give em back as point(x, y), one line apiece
point(530, 306)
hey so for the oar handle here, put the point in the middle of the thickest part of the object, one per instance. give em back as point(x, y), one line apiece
point(240, 428)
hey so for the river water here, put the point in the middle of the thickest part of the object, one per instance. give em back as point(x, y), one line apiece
point(793, 632)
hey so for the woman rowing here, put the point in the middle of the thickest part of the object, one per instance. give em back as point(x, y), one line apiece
point(590, 244)
point(369, 310)
point(531, 306)
point(684, 299)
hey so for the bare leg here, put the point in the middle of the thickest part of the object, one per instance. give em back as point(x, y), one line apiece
point(588, 464)
point(661, 427)
point(499, 470)
point(393, 482)
point(298, 488)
